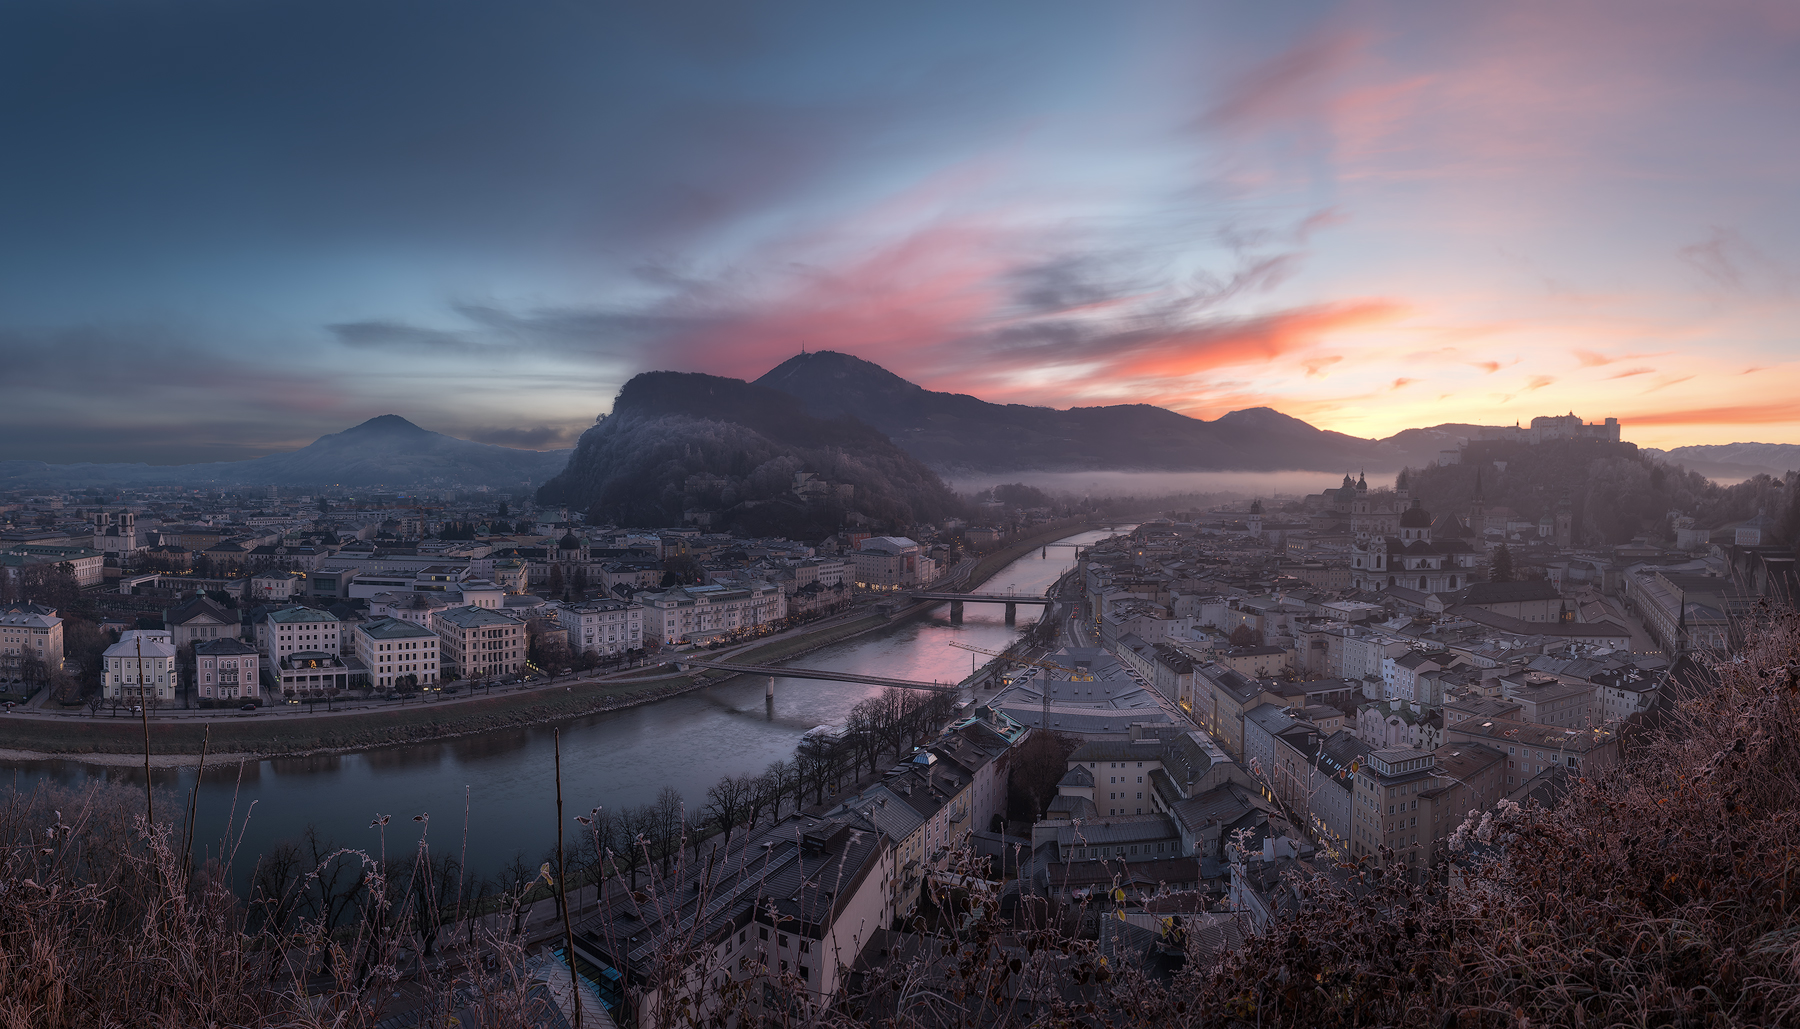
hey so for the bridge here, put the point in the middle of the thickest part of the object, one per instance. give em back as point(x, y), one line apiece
point(957, 600)
point(773, 671)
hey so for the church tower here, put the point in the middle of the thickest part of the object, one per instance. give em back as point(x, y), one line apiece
point(1565, 522)
point(1478, 509)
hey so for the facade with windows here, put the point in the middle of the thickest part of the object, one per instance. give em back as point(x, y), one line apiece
point(200, 618)
point(397, 653)
point(696, 614)
point(29, 632)
point(603, 627)
point(141, 666)
point(294, 630)
point(226, 669)
point(1385, 805)
point(479, 643)
point(891, 563)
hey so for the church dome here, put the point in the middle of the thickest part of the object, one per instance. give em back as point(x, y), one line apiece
point(568, 542)
point(1415, 517)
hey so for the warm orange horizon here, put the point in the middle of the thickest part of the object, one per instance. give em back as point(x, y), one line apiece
point(1368, 215)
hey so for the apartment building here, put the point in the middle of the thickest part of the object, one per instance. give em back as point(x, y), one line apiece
point(694, 614)
point(226, 669)
point(302, 645)
point(602, 627)
point(30, 632)
point(397, 652)
point(478, 642)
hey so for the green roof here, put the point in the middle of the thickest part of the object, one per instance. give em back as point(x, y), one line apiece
point(395, 629)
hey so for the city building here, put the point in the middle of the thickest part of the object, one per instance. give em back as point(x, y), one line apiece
point(200, 618)
point(698, 614)
point(226, 669)
point(479, 643)
point(891, 563)
point(140, 667)
point(397, 652)
point(29, 632)
point(1385, 805)
point(603, 627)
point(1411, 559)
point(817, 892)
point(293, 630)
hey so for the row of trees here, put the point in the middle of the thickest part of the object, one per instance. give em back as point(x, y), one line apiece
point(651, 836)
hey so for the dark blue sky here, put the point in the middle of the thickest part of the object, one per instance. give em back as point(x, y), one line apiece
point(229, 227)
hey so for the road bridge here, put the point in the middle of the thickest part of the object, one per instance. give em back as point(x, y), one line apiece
point(772, 671)
point(957, 600)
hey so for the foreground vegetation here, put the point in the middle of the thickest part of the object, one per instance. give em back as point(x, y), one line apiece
point(1657, 893)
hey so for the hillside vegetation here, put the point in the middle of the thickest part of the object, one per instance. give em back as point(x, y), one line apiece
point(679, 441)
point(1615, 491)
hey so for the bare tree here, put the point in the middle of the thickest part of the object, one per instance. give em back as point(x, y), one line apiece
point(669, 824)
point(728, 803)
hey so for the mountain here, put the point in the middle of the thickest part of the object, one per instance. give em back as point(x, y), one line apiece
point(956, 433)
point(388, 450)
point(1734, 462)
point(677, 442)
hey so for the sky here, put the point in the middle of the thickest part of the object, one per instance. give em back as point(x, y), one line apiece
point(227, 228)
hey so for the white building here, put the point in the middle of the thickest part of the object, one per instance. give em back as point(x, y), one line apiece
point(393, 650)
point(603, 626)
point(274, 586)
point(294, 630)
point(699, 613)
point(141, 665)
point(303, 648)
point(479, 643)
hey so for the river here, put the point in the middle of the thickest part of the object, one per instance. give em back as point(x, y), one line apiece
point(501, 785)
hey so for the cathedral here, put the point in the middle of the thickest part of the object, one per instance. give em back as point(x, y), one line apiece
point(1407, 556)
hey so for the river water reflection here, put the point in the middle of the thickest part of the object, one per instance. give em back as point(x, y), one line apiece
point(504, 781)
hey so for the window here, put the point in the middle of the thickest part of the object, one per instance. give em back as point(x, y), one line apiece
point(762, 932)
point(781, 940)
point(806, 946)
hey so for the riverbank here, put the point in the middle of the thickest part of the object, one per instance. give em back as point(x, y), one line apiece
point(253, 736)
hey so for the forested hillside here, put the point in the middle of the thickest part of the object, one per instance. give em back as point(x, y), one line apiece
point(1615, 492)
point(677, 442)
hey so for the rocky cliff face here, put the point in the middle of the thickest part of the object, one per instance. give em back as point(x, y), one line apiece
point(678, 442)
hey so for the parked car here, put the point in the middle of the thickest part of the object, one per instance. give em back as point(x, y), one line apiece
point(249, 705)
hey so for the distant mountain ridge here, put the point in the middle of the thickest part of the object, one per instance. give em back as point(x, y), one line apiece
point(385, 450)
point(953, 432)
point(1735, 460)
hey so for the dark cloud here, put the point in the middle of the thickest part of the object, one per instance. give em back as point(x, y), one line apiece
point(540, 437)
